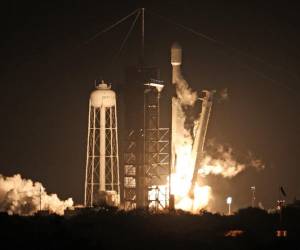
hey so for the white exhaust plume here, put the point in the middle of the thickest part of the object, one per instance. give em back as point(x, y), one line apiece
point(227, 167)
point(25, 197)
point(220, 160)
point(217, 160)
point(184, 93)
point(187, 183)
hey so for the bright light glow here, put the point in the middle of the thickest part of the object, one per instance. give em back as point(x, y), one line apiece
point(229, 200)
point(182, 176)
point(183, 154)
point(158, 193)
point(181, 183)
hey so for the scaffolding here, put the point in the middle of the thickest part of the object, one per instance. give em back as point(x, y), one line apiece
point(146, 155)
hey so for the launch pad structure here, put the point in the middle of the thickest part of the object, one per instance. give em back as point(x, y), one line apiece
point(148, 151)
point(146, 145)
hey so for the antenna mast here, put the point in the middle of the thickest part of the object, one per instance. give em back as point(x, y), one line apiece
point(143, 36)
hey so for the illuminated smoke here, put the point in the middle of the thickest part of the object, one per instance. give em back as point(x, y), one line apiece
point(185, 100)
point(221, 160)
point(254, 162)
point(223, 163)
point(217, 159)
point(24, 197)
point(183, 171)
point(184, 93)
point(183, 135)
point(227, 167)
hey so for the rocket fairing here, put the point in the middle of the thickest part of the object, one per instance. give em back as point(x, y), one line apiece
point(176, 61)
point(176, 54)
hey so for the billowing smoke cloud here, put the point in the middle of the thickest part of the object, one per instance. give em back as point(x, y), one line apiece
point(184, 93)
point(227, 167)
point(217, 159)
point(186, 99)
point(221, 160)
point(25, 197)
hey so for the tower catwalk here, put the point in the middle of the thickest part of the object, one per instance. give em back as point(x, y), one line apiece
point(102, 184)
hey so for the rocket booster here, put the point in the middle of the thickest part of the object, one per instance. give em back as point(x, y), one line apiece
point(176, 60)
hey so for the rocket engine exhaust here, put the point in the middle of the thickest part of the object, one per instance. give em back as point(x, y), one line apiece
point(186, 97)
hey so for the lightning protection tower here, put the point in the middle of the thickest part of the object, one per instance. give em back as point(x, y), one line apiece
point(102, 186)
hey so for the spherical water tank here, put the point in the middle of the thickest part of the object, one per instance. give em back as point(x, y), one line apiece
point(103, 96)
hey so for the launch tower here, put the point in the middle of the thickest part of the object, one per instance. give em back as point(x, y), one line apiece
point(146, 144)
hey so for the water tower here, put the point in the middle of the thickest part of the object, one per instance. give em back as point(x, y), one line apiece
point(102, 186)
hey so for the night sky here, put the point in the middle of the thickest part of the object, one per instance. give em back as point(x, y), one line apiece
point(48, 70)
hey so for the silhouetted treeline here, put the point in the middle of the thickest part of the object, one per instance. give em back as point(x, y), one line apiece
point(109, 228)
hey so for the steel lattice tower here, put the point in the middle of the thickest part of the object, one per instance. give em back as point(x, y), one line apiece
point(156, 148)
point(146, 144)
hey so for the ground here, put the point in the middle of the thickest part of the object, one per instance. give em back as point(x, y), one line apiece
point(112, 229)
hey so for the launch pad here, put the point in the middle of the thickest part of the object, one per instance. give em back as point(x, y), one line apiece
point(155, 166)
point(150, 156)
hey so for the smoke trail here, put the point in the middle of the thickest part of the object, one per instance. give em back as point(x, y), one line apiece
point(221, 160)
point(227, 167)
point(184, 93)
point(24, 197)
point(181, 178)
point(186, 99)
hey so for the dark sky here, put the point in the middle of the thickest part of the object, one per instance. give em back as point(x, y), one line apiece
point(48, 71)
